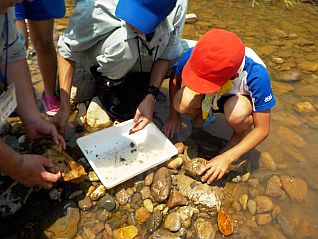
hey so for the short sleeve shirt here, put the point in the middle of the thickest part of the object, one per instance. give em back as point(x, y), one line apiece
point(252, 81)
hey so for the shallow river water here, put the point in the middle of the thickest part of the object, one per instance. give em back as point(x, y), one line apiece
point(283, 185)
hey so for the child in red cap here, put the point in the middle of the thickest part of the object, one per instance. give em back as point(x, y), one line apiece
point(221, 75)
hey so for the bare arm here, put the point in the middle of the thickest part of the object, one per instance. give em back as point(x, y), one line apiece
point(217, 167)
point(145, 109)
point(173, 122)
point(66, 72)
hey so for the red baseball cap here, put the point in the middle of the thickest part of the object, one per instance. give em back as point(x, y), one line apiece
point(215, 59)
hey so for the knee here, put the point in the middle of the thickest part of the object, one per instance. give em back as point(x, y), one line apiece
point(44, 47)
point(238, 111)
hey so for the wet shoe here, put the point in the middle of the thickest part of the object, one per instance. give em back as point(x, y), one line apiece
point(51, 104)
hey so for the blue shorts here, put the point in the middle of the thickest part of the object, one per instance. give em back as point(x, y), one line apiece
point(31, 10)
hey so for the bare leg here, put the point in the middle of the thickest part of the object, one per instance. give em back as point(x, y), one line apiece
point(22, 26)
point(237, 111)
point(41, 33)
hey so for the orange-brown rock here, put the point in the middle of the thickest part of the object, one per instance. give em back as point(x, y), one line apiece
point(225, 223)
point(176, 199)
point(296, 188)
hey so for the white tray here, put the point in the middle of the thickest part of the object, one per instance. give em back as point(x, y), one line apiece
point(117, 156)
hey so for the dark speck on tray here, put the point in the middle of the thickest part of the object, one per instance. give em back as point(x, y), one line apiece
point(122, 159)
point(133, 150)
point(132, 144)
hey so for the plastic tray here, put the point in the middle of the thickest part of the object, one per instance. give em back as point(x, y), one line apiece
point(117, 156)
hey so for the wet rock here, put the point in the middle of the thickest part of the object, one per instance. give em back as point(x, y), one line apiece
point(93, 177)
point(160, 187)
point(225, 223)
point(99, 192)
point(103, 215)
point(286, 226)
point(176, 199)
point(64, 227)
point(107, 202)
point(251, 206)
point(122, 197)
point(90, 190)
point(253, 182)
point(272, 232)
point(264, 204)
point(306, 90)
point(128, 232)
point(85, 204)
point(243, 201)
point(274, 187)
point(290, 136)
point(154, 221)
point(175, 162)
point(277, 60)
point(131, 219)
point(96, 116)
point(148, 205)
point(197, 192)
point(59, 158)
point(193, 166)
point(296, 188)
point(204, 229)
point(292, 119)
point(308, 66)
point(186, 213)
point(293, 153)
point(289, 76)
point(263, 219)
point(75, 194)
point(136, 200)
point(163, 234)
point(245, 176)
point(172, 222)
point(267, 161)
point(281, 88)
point(305, 107)
point(142, 215)
point(149, 179)
point(82, 110)
point(180, 146)
point(145, 193)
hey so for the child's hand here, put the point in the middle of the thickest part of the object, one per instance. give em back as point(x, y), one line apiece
point(215, 169)
point(172, 125)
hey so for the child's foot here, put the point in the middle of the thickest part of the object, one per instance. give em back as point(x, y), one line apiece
point(51, 104)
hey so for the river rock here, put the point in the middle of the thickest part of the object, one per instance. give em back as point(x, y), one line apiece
point(142, 215)
point(164, 234)
point(286, 225)
point(204, 229)
point(93, 177)
point(308, 66)
point(172, 222)
point(175, 162)
point(272, 232)
point(274, 187)
point(197, 192)
point(149, 179)
point(305, 107)
point(263, 219)
point(296, 188)
point(186, 213)
point(176, 199)
point(107, 202)
point(66, 226)
point(291, 137)
point(148, 205)
point(267, 161)
point(306, 90)
point(293, 152)
point(103, 215)
point(122, 197)
point(85, 204)
point(99, 192)
point(154, 221)
point(289, 76)
point(251, 206)
point(160, 187)
point(281, 88)
point(128, 232)
point(264, 204)
point(145, 193)
point(281, 117)
point(96, 116)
